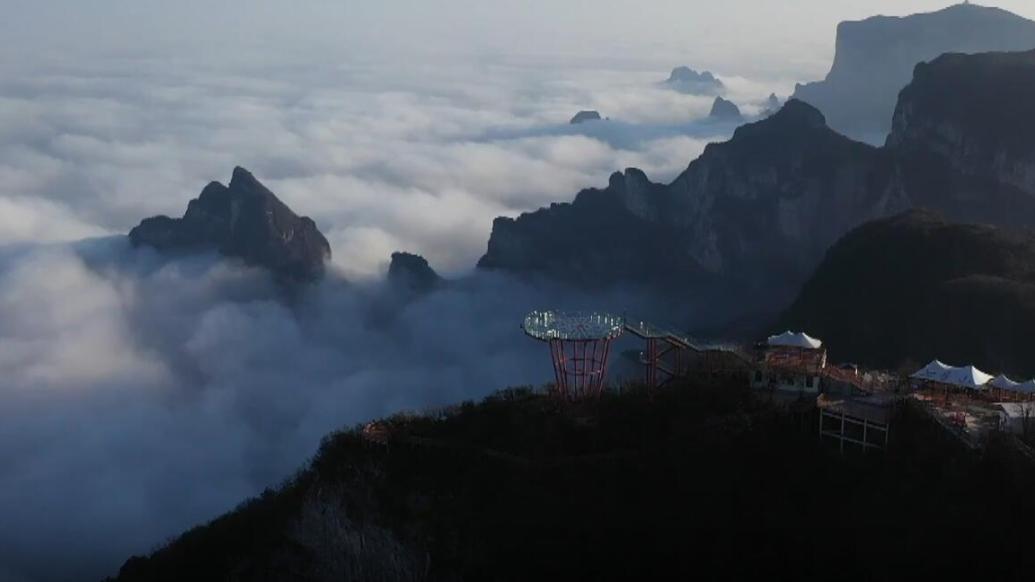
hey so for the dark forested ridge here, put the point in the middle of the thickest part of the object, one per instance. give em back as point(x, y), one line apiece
point(913, 288)
point(704, 481)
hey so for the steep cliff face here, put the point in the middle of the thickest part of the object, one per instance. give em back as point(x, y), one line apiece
point(913, 288)
point(875, 59)
point(975, 112)
point(243, 220)
point(770, 200)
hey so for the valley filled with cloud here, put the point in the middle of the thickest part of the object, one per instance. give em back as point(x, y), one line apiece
point(144, 394)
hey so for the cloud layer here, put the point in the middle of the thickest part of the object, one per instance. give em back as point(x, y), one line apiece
point(411, 159)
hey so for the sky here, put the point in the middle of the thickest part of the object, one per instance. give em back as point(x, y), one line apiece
point(168, 390)
point(747, 34)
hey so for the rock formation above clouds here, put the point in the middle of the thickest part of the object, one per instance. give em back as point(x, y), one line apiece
point(244, 220)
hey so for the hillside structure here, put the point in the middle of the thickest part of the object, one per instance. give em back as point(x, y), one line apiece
point(580, 345)
point(669, 355)
point(790, 362)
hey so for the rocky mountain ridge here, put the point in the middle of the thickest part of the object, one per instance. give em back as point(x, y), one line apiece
point(752, 217)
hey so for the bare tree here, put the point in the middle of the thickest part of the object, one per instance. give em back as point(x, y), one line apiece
point(342, 550)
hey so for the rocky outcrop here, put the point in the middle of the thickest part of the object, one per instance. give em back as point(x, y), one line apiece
point(724, 110)
point(412, 274)
point(771, 105)
point(905, 290)
point(686, 80)
point(585, 116)
point(243, 220)
point(875, 59)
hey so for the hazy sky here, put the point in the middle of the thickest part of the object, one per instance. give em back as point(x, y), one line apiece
point(713, 33)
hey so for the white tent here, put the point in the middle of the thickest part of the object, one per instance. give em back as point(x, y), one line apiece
point(933, 371)
point(1026, 387)
point(789, 339)
point(1003, 383)
point(967, 377)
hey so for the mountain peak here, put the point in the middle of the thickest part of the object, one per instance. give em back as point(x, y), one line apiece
point(725, 110)
point(245, 220)
point(412, 273)
point(687, 80)
point(243, 178)
point(796, 120)
point(798, 112)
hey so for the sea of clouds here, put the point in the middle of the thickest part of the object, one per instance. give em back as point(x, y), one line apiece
point(143, 394)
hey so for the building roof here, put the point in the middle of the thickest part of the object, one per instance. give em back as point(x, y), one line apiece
point(963, 376)
point(797, 361)
point(790, 339)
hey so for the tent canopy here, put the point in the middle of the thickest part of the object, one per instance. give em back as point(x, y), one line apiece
point(931, 371)
point(790, 339)
point(963, 376)
point(1003, 383)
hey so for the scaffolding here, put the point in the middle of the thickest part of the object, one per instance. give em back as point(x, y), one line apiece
point(864, 423)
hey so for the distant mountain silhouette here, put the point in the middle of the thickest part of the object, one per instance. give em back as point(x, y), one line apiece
point(584, 116)
point(913, 288)
point(875, 58)
point(771, 105)
point(752, 217)
point(242, 220)
point(412, 273)
point(686, 80)
point(724, 110)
